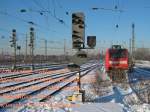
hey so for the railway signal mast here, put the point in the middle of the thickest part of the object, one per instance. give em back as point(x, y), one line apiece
point(14, 45)
point(78, 38)
point(78, 43)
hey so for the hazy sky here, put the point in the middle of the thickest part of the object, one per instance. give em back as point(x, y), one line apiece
point(101, 23)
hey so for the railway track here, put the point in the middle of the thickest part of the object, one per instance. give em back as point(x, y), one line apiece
point(38, 91)
point(139, 82)
point(28, 74)
point(34, 79)
point(4, 69)
point(39, 81)
point(61, 88)
point(20, 75)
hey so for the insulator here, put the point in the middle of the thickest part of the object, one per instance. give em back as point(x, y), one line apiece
point(13, 30)
point(117, 25)
point(31, 29)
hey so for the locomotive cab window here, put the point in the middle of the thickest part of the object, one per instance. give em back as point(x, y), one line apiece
point(118, 53)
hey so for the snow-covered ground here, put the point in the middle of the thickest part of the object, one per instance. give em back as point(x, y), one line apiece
point(100, 96)
point(110, 102)
point(121, 97)
point(142, 63)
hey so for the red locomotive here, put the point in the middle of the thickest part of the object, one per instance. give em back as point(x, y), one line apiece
point(116, 62)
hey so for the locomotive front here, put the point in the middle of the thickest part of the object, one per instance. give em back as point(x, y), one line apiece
point(116, 62)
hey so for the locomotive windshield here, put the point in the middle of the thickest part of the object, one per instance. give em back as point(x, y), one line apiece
point(121, 53)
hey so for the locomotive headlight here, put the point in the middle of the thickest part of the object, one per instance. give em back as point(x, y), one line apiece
point(110, 62)
point(117, 62)
point(122, 62)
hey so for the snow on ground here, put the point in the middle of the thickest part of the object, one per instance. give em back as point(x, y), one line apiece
point(141, 108)
point(57, 103)
point(107, 98)
point(99, 107)
point(142, 63)
point(124, 97)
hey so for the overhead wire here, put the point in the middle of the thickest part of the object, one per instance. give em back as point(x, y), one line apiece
point(23, 20)
point(10, 15)
point(9, 31)
point(44, 10)
point(38, 4)
point(118, 13)
point(18, 33)
point(56, 48)
point(49, 12)
point(55, 15)
point(18, 18)
point(50, 41)
point(54, 10)
point(62, 9)
point(39, 27)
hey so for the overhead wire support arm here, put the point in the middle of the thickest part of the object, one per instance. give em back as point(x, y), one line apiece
point(108, 9)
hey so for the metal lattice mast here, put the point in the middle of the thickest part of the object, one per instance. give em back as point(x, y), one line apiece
point(130, 46)
point(45, 50)
point(14, 45)
point(32, 46)
point(133, 40)
point(65, 48)
point(26, 48)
